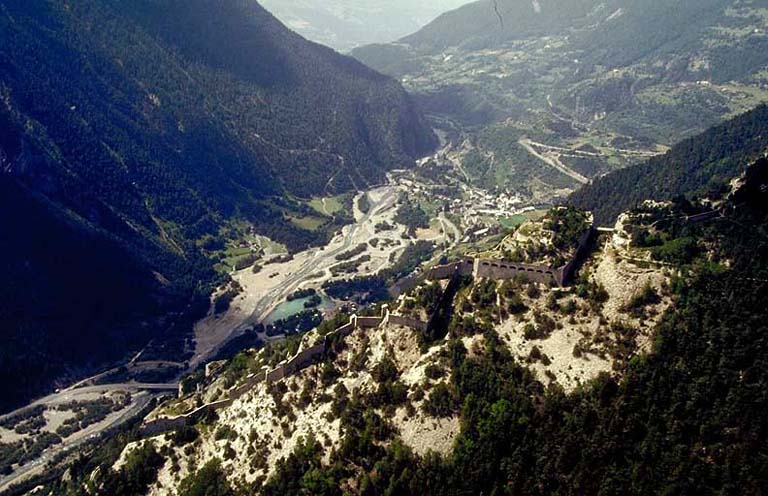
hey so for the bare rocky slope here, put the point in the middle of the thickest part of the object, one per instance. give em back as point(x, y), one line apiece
point(564, 339)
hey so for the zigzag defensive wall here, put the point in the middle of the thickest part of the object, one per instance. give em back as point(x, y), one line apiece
point(476, 268)
point(297, 363)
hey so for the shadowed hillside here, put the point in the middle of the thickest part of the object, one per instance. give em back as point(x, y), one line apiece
point(152, 126)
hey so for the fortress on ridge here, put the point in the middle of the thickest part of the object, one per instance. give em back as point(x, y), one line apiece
point(496, 269)
point(477, 268)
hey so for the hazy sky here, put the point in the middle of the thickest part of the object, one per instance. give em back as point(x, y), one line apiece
point(345, 24)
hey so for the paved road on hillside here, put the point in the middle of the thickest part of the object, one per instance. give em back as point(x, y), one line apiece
point(449, 227)
point(77, 439)
point(73, 393)
point(529, 147)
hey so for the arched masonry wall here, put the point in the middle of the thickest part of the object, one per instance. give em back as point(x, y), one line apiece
point(494, 269)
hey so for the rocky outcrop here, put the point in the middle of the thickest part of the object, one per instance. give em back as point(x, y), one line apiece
point(303, 359)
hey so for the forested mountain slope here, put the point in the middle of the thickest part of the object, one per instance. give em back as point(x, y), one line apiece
point(703, 163)
point(184, 97)
point(72, 297)
point(456, 412)
point(152, 125)
point(620, 80)
point(611, 33)
point(485, 23)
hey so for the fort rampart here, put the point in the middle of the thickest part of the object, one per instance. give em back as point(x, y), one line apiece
point(472, 267)
point(503, 270)
point(297, 363)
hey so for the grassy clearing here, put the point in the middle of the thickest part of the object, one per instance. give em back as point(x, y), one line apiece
point(512, 222)
point(484, 245)
point(744, 98)
point(235, 252)
point(270, 247)
point(333, 204)
point(309, 223)
point(228, 264)
point(518, 220)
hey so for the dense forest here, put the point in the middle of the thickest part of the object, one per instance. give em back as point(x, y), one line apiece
point(59, 275)
point(75, 296)
point(155, 132)
point(698, 165)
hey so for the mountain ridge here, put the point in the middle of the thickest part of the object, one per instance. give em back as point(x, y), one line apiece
point(626, 79)
point(704, 163)
point(345, 24)
point(166, 124)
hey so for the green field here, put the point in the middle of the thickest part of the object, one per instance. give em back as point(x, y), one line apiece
point(270, 247)
point(517, 220)
point(233, 255)
point(333, 204)
point(309, 223)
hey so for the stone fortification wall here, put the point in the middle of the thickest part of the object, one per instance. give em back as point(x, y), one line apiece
point(501, 270)
point(478, 268)
point(161, 425)
point(463, 268)
point(415, 324)
point(343, 331)
point(498, 270)
point(369, 322)
point(298, 362)
point(494, 269)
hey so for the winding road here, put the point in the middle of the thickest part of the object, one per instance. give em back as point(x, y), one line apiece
point(557, 164)
point(37, 466)
point(449, 226)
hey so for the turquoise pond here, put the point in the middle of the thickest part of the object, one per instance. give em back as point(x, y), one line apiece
point(289, 308)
